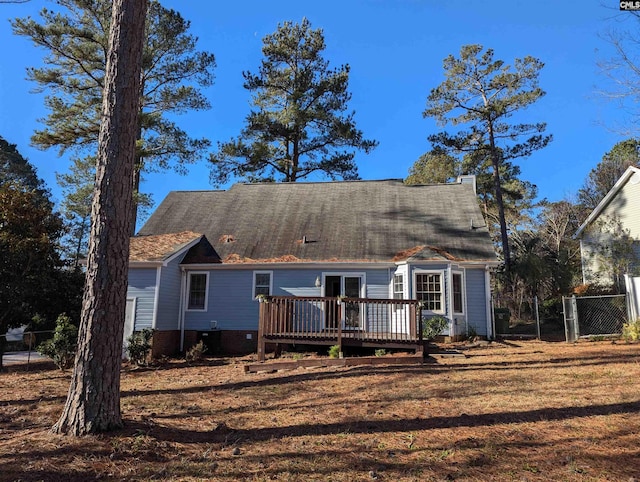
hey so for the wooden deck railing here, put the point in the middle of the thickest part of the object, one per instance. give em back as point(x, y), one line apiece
point(338, 321)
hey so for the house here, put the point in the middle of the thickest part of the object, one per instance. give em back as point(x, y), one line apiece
point(610, 231)
point(202, 261)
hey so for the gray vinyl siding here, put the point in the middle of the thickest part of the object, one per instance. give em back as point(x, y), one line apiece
point(142, 287)
point(476, 301)
point(168, 314)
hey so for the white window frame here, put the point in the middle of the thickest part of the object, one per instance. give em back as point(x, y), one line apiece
point(206, 290)
point(462, 292)
point(343, 274)
point(254, 296)
point(393, 286)
point(443, 299)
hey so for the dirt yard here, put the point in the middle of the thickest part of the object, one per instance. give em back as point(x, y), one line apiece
point(520, 411)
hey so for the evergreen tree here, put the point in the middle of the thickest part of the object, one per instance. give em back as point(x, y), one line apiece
point(300, 125)
point(603, 177)
point(29, 234)
point(434, 167)
point(482, 94)
point(173, 71)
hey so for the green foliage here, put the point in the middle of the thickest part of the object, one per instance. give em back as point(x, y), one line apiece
point(482, 94)
point(300, 125)
point(551, 310)
point(434, 167)
point(380, 352)
point(603, 177)
point(631, 330)
point(196, 352)
point(139, 346)
point(74, 36)
point(334, 351)
point(472, 334)
point(62, 347)
point(30, 266)
point(432, 326)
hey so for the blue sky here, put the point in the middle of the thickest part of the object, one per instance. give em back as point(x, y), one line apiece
point(395, 49)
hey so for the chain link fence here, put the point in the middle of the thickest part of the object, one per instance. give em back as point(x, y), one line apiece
point(23, 342)
point(528, 318)
point(594, 316)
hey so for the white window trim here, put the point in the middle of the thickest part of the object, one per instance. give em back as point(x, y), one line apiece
point(404, 285)
point(342, 274)
point(206, 291)
point(253, 286)
point(463, 287)
point(443, 299)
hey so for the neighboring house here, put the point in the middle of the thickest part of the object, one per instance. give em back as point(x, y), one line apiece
point(610, 236)
point(203, 258)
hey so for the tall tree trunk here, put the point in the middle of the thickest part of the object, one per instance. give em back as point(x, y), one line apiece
point(93, 402)
point(506, 252)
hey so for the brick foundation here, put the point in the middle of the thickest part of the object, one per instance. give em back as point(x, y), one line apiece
point(236, 343)
point(165, 343)
point(231, 342)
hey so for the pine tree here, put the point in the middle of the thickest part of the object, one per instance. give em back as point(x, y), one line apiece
point(173, 71)
point(93, 401)
point(482, 94)
point(300, 125)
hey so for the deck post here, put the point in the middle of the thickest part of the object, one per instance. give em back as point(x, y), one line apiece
point(340, 327)
point(261, 321)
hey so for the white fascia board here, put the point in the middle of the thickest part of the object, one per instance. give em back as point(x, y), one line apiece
point(271, 266)
point(461, 264)
point(607, 199)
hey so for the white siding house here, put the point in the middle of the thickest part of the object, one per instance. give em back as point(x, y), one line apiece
point(618, 213)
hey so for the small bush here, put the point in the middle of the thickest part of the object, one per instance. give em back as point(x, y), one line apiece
point(196, 352)
point(139, 346)
point(62, 347)
point(631, 330)
point(433, 326)
point(380, 352)
point(334, 351)
point(472, 334)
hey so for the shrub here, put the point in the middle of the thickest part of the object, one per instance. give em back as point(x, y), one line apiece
point(196, 352)
point(631, 330)
point(433, 326)
point(62, 347)
point(380, 352)
point(472, 334)
point(139, 346)
point(334, 351)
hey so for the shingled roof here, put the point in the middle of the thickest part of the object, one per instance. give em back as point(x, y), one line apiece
point(378, 221)
point(160, 247)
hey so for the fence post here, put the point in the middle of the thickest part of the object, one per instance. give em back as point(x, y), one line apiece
point(535, 300)
point(574, 309)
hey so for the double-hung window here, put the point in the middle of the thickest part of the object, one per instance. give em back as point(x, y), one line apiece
point(456, 292)
point(262, 283)
point(398, 287)
point(198, 284)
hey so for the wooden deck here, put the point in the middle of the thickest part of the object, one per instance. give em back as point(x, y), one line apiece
point(362, 322)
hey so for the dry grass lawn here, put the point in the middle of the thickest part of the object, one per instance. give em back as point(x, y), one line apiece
point(510, 411)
